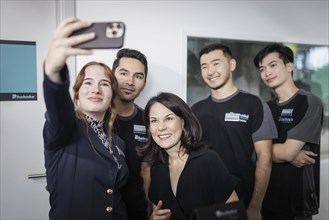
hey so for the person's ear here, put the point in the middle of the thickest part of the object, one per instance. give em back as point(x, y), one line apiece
point(232, 64)
point(290, 67)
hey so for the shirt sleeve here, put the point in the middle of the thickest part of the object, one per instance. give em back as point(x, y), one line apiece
point(309, 128)
point(267, 130)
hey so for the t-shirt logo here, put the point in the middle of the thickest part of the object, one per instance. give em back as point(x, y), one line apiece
point(286, 116)
point(237, 117)
point(139, 129)
point(140, 133)
point(141, 138)
point(287, 112)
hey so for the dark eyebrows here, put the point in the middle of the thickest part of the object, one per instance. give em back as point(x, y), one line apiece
point(166, 116)
point(212, 61)
point(123, 69)
point(140, 73)
point(272, 62)
point(127, 71)
point(215, 60)
point(170, 114)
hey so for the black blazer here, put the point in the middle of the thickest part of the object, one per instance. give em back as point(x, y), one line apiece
point(82, 178)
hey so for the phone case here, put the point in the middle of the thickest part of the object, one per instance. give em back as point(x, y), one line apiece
point(108, 35)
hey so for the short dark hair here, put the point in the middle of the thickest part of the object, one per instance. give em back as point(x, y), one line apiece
point(285, 53)
point(192, 131)
point(216, 46)
point(130, 53)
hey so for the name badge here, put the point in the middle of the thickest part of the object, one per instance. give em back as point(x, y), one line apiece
point(287, 112)
point(139, 129)
point(232, 116)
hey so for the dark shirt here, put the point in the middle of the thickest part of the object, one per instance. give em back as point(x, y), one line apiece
point(133, 132)
point(204, 181)
point(231, 126)
point(299, 118)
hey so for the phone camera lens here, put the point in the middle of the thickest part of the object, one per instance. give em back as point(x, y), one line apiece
point(119, 26)
point(114, 33)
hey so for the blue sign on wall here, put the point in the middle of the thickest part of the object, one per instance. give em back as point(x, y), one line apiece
point(18, 73)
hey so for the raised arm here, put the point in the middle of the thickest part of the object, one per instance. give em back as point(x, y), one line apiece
point(62, 46)
point(60, 115)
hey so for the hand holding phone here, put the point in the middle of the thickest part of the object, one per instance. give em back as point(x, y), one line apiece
point(108, 35)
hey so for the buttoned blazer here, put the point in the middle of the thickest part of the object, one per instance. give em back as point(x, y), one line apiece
point(82, 177)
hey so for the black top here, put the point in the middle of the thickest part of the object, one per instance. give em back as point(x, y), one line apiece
point(83, 179)
point(231, 126)
point(133, 132)
point(203, 181)
point(299, 118)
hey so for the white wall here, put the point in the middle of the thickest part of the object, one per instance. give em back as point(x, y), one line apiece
point(21, 121)
point(21, 142)
point(157, 28)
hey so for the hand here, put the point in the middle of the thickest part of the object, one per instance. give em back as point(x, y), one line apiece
point(304, 157)
point(159, 213)
point(254, 213)
point(62, 44)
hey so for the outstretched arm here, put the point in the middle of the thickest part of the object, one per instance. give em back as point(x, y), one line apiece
point(62, 46)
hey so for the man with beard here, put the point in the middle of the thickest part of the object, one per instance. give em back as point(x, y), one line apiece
point(238, 125)
point(130, 69)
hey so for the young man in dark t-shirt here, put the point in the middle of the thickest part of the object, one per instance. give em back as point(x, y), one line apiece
point(293, 190)
point(130, 69)
point(237, 125)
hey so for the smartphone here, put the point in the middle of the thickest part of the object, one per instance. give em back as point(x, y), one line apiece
point(108, 35)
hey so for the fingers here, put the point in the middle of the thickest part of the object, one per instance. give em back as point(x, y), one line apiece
point(159, 213)
point(62, 45)
point(64, 31)
point(308, 159)
point(77, 39)
point(69, 25)
point(310, 153)
point(303, 158)
point(159, 205)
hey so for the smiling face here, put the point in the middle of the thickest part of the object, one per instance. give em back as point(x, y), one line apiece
point(216, 69)
point(95, 92)
point(130, 75)
point(165, 127)
point(274, 72)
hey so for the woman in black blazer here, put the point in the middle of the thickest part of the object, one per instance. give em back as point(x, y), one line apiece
point(84, 160)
